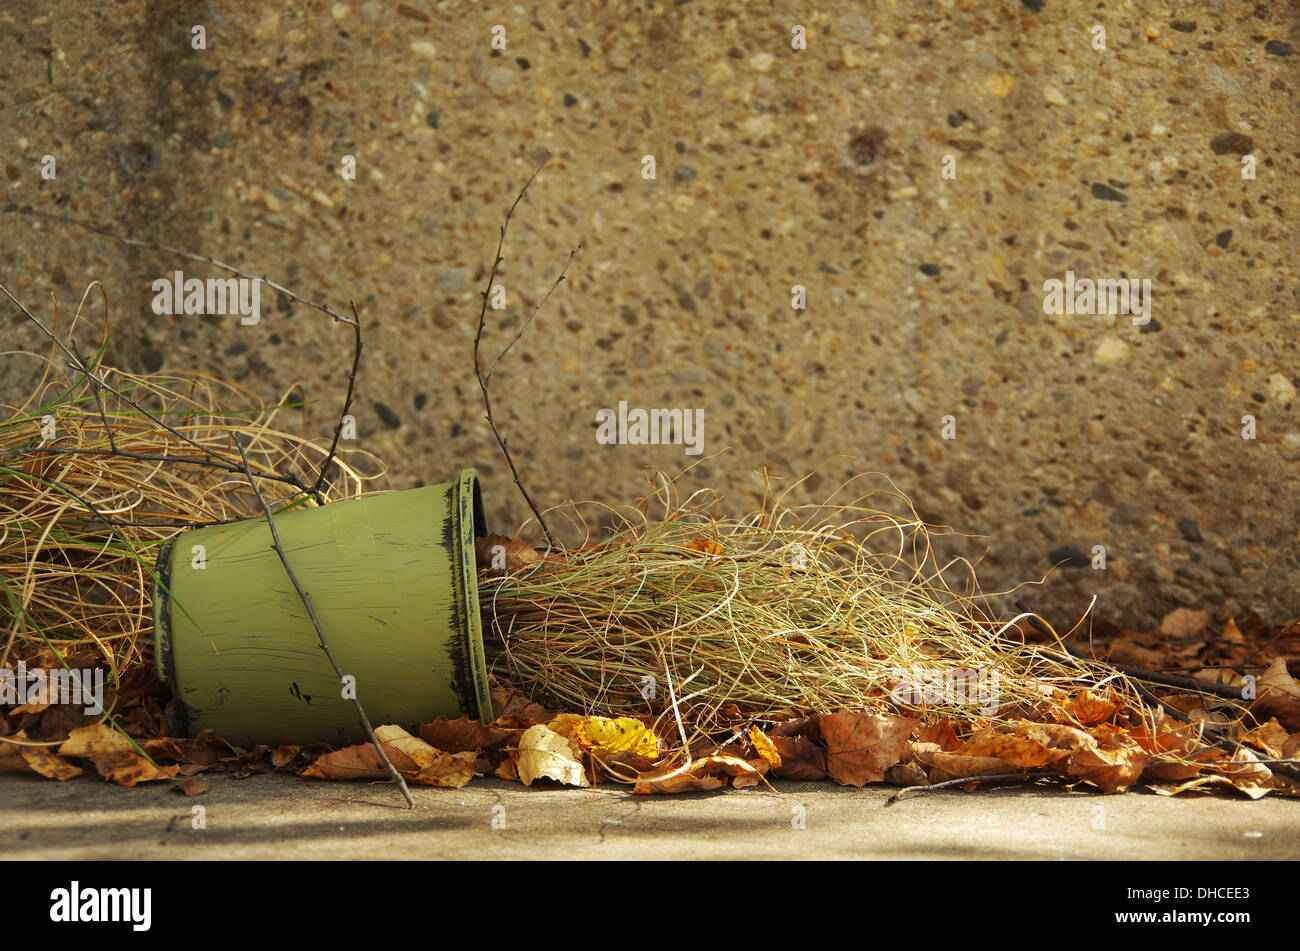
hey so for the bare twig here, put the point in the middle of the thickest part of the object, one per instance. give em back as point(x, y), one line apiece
point(483, 381)
point(994, 777)
point(324, 644)
point(1227, 691)
point(190, 255)
point(1213, 736)
point(215, 460)
point(347, 400)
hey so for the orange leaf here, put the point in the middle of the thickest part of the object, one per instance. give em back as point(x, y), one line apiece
point(1090, 709)
point(48, 764)
point(129, 768)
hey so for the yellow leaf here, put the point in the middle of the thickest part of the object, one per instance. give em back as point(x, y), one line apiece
point(764, 746)
point(603, 736)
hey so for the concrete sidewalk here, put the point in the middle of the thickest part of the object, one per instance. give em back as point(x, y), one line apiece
point(285, 817)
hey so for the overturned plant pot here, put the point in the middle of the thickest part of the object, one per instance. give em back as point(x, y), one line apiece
point(392, 580)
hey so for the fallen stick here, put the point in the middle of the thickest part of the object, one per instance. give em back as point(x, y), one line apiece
point(324, 644)
point(993, 777)
point(484, 381)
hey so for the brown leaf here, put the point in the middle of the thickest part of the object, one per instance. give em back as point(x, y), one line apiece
point(800, 726)
point(1112, 764)
point(42, 761)
point(947, 766)
point(1278, 696)
point(801, 758)
point(1169, 771)
point(514, 707)
point(906, 774)
point(1270, 737)
point(939, 732)
point(463, 734)
point(701, 775)
point(1182, 622)
point(861, 746)
point(351, 762)
point(1232, 633)
point(1124, 651)
point(163, 748)
point(191, 787)
point(1202, 782)
point(284, 755)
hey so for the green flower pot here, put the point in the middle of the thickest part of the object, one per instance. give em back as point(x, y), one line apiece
point(392, 580)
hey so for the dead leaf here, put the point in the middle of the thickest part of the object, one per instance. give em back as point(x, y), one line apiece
point(498, 555)
point(1124, 651)
point(1015, 752)
point(544, 753)
point(939, 732)
point(906, 774)
point(1089, 708)
point(1270, 737)
point(191, 787)
point(700, 775)
point(861, 746)
point(128, 768)
point(801, 758)
point(448, 770)
point(947, 766)
point(42, 761)
point(463, 734)
point(1183, 622)
point(1232, 633)
point(513, 705)
point(351, 762)
point(407, 753)
point(91, 741)
point(603, 736)
point(763, 746)
point(1113, 763)
point(1201, 782)
point(1278, 696)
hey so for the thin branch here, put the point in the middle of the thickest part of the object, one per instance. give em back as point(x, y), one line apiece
point(1211, 735)
point(1227, 691)
point(478, 336)
point(324, 644)
point(994, 777)
point(168, 249)
point(347, 400)
point(497, 362)
point(218, 461)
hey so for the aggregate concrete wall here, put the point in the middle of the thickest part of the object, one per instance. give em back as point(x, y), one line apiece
point(923, 171)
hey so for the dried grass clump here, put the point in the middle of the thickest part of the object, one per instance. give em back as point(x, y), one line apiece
point(787, 609)
point(82, 513)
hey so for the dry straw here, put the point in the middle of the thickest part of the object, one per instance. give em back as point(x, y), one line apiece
point(789, 609)
point(97, 467)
